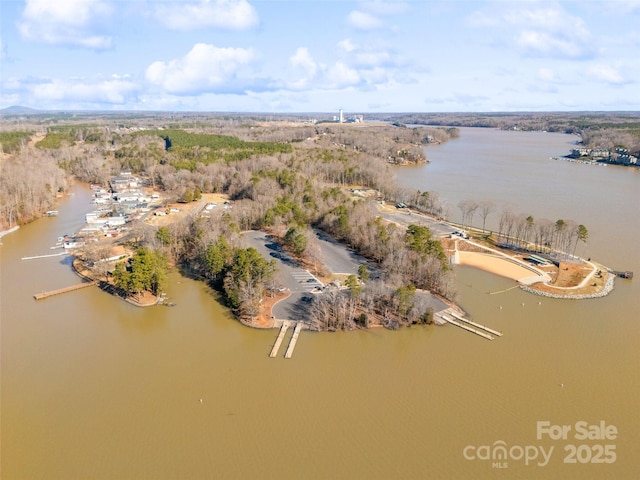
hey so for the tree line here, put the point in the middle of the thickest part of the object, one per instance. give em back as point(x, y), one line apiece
point(286, 190)
point(524, 231)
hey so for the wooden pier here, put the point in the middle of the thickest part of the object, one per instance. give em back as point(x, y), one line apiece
point(40, 296)
point(276, 346)
point(477, 325)
point(467, 328)
point(294, 339)
point(45, 256)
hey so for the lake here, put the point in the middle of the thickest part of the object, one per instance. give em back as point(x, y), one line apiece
point(93, 387)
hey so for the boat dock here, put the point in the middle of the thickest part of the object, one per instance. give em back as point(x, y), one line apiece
point(625, 274)
point(477, 325)
point(45, 256)
point(468, 328)
point(294, 339)
point(276, 346)
point(43, 295)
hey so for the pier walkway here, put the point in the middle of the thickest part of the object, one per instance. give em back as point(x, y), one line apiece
point(477, 325)
point(43, 295)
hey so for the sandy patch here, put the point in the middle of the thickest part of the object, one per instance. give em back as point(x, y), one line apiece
point(174, 212)
point(495, 264)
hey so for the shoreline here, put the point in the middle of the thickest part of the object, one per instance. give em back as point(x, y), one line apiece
point(7, 232)
point(529, 277)
point(106, 286)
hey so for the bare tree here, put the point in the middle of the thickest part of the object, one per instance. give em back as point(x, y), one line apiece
point(486, 208)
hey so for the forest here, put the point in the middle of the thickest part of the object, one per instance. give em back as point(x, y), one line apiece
point(285, 177)
point(606, 130)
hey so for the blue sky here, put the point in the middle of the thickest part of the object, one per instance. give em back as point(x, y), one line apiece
point(321, 55)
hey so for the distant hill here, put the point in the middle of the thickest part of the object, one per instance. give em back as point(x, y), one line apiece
point(18, 110)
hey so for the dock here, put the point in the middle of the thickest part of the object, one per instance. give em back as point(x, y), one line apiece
point(294, 339)
point(276, 346)
point(625, 274)
point(467, 328)
point(45, 256)
point(43, 295)
point(477, 325)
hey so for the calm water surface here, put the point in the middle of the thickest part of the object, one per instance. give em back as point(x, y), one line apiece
point(95, 388)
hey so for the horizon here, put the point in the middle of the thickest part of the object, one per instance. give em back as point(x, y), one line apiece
point(363, 56)
point(24, 110)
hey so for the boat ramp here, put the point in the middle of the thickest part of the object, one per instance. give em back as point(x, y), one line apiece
point(292, 343)
point(483, 331)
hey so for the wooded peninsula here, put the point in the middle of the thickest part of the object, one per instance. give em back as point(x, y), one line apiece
point(288, 176)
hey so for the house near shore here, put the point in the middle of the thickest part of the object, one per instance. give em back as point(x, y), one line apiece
point(124, 182)
point(593, 153)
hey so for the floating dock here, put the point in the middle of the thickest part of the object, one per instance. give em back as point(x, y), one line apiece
point(467, 328)
point(625, 274)
point(43, 295)
point(477, 325)
point(294, 339)
point(276, 346)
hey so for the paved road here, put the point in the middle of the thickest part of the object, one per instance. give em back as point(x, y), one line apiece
point(339, 259)
point(404, 218)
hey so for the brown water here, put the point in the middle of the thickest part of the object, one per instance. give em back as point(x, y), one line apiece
point(95, 388)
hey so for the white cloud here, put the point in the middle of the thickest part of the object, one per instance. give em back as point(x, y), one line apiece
point(303, 59)
point(363, 20)
point(367, 56)
point(346, 45)
point(626, 6)
point(606, 74)
point(366, 67)
point(82, 91)
point(541, 31)
point(370, 15)
point(67, 22)
point(227, 14)
point(385, 8)
point(340, 75)
point(547, 44)
point(206, 68)
point(546, 75)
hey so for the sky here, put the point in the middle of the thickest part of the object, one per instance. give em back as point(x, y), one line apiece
point(320, 55)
